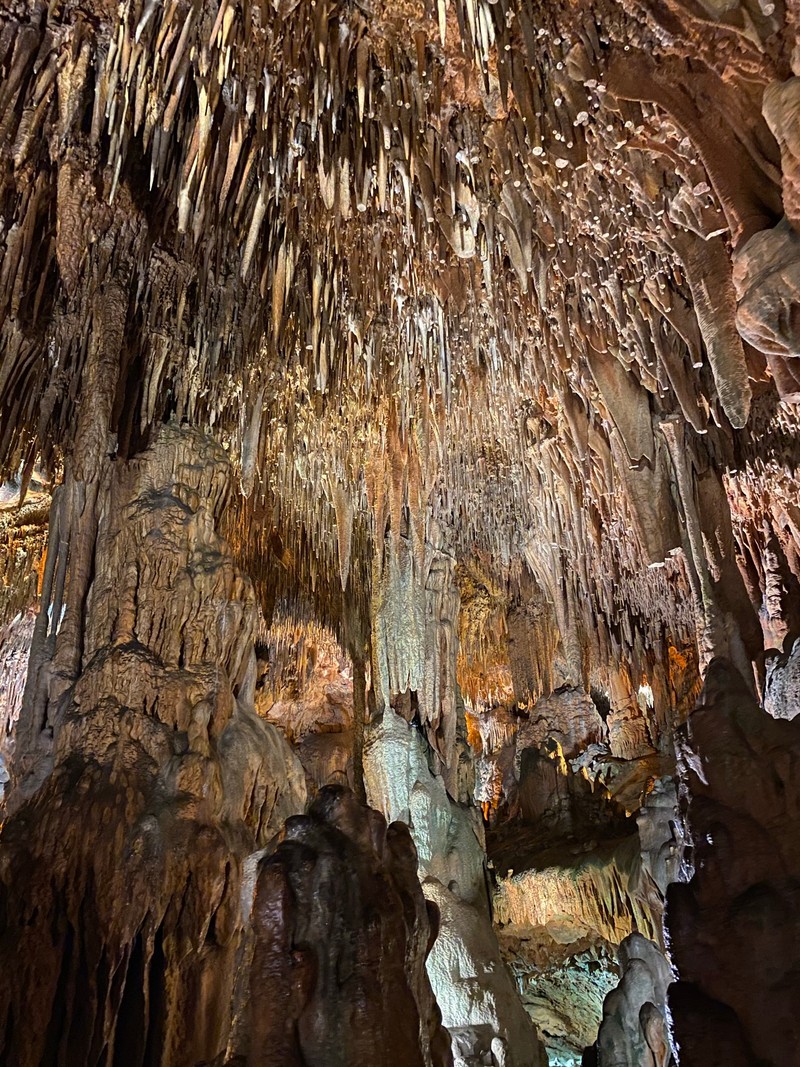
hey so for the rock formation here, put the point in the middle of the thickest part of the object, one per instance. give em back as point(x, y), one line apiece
point(735, 998)
point(634, 1028)
point(479, 1004)
point(341, 931)
point(401, 398)
point(163, 781)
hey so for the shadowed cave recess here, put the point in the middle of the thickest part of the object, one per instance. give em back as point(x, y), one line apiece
point(400, 600)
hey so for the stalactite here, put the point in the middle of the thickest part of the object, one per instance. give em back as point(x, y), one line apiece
point(490, 312)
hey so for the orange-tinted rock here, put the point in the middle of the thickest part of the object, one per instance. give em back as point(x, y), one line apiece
point(121, 874)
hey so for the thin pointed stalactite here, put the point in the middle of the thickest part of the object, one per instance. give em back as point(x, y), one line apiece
point(401, 398)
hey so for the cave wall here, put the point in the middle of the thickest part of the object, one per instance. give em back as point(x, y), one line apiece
point(733, 925)
point(506, 287)
point(571, 357)
point(122, 871)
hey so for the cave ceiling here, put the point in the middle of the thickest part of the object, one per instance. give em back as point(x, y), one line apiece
point(511, 282)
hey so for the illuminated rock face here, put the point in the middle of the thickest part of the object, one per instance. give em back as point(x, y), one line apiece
point(634, 1030)
point(480, 1005)
point(782, 691)
point(465, 334)
point(448, 836)
point(163, 781)
point(306, 689)
point(134, 852)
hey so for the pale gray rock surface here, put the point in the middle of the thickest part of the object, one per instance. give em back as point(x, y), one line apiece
point(474, 990)
point(400, 784)
point(634, 1031)
point(782, 689)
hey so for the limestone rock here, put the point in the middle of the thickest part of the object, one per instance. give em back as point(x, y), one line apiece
point(597, 891)
point(399, 782)
point(634, 1031)
point(327, 758)
point(781, 110)
point(305, 687)
point(342, 932)
point(474, 989)
point(121, 875)
point(563, 988)
point(15, 644)
point(734, 928)
point(561, 915)
point(782, 689)
point(564, 804)
point(569, 716)
point(660, 833)
point(767, 280)
point(466, 286)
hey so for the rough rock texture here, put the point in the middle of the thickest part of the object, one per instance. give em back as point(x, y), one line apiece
point(305, 687)
point(481, 1007)
point(564, 804)
point(415, 641)
point(563, 909)
point(465, 285)
point(341, 932)
point(563, 989)
point(15, 646)
point(634, 1030)
point(23, 546)
point(661, 833)
point(575, 875)
point(734, 928)
point(600, 892)
point(767, 279)
point(121, 873)
point(474, 990)
point(782, 689)
point(448, 836)
point(568, 716)
point(500, 289)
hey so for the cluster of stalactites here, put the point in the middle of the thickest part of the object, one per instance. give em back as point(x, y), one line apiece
point(447, 268)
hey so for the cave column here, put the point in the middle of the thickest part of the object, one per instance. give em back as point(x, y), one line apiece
point(98, 327)
point(414, 623)
point(131, 851)
point(418, 769)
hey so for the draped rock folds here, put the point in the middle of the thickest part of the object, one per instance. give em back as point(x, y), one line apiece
point(342, 932)
point(122, 874)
